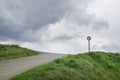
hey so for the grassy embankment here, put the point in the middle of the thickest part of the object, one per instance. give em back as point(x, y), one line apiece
point(14, 51)
point(89, 66)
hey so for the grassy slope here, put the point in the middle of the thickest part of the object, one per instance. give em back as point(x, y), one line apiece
point(90, 66)
point(14, 51)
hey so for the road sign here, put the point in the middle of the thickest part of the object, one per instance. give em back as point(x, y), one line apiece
point(89, 38)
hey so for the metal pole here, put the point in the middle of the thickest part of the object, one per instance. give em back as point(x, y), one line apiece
point(89, 46)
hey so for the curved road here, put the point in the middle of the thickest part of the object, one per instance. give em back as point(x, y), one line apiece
point(10, 68)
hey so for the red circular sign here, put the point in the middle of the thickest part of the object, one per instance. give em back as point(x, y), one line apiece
point(89, 38)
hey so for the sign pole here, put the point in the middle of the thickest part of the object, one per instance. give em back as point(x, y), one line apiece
point(89, 38)
point(89, 46)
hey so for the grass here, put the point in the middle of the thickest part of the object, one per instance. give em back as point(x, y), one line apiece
point(88, 66)
point(14, 51)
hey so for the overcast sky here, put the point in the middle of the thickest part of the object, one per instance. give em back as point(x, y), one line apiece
point(61, 25)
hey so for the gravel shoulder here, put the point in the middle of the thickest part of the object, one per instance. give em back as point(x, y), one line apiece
point(10, 68)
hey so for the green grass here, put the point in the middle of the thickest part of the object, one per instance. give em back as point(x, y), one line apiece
point(14, 51)
point(88, 66)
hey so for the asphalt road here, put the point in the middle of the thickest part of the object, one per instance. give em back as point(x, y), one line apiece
point(10, 68)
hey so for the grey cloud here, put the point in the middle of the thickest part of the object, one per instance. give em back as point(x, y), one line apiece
point(22, 19)
point(83, 18)
point(6, 31)
point(65, 37)
point(77, 15)
point(101, 25)
point(44, 12)
point(112, 47)
point(21, 16)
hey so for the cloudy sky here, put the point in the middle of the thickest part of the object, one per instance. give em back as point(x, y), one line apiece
point(61, 26)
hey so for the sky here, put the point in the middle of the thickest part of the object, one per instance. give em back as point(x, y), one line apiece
point(61, 26)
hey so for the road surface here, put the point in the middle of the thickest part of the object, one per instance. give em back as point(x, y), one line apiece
point(10, 68)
